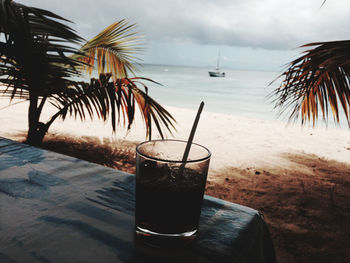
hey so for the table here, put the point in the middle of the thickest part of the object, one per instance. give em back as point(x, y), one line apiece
point(55, 208)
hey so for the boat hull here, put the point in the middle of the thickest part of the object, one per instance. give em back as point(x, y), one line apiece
point(216, 74)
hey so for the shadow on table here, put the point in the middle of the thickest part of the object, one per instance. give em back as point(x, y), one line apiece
point(118, 154)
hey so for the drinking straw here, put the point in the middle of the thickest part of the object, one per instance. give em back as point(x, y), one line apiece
point(190, 138)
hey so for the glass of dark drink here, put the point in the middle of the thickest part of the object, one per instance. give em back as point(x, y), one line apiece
point(169, 191)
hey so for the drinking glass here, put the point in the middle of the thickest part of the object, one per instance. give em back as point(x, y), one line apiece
point(169, 191)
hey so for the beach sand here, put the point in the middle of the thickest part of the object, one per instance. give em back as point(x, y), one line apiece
point(233, 140)
point(298, 177)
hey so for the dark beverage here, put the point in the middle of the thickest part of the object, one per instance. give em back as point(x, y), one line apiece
point(169, 191)
point(169, 203)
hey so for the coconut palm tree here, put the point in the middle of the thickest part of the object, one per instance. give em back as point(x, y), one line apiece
point(317, 80)
point(42, 60)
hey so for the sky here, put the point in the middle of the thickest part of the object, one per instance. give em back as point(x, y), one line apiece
point(250, 34)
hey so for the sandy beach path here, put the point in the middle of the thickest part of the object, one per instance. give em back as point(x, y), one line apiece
point(234, 141)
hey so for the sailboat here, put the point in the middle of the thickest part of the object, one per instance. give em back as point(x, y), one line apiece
point(217, 73)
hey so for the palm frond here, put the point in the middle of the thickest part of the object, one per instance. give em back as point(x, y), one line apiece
point(34, 49)
point(114, 99)
point(316, 81)
point(112, 50)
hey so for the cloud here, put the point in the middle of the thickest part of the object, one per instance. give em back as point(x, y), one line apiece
point(269, 24)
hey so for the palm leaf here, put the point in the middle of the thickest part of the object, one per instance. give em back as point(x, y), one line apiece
point(315, 82)
point(117, 100)
point(112, 50)
point(34, 48)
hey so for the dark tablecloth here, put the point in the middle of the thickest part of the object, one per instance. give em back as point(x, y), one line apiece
point(55, 208)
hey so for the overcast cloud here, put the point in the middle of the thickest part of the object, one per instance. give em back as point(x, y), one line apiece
point(258, 24)
point(270, 24)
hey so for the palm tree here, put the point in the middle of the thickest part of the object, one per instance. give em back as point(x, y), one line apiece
point(317, 80)
point(40, 63)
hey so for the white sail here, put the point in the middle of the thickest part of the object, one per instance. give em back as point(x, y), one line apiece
point(217, 73)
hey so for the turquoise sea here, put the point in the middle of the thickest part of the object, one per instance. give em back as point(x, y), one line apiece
point(241, 92)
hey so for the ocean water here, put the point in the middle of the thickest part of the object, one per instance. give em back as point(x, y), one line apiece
point(241, 92)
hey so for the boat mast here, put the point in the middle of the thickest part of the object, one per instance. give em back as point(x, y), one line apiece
point(218, 61)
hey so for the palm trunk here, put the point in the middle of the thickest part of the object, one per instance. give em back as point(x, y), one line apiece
point(35, 137)
point(36, 129)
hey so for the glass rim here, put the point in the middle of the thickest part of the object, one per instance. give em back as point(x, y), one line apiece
point(173, 161)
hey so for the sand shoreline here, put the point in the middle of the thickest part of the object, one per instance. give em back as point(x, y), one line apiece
point(234, 141)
